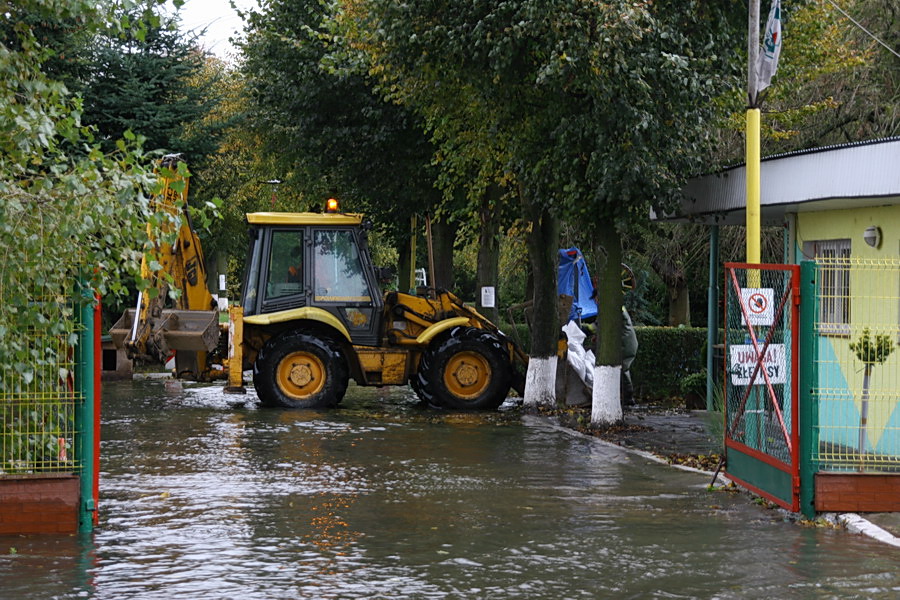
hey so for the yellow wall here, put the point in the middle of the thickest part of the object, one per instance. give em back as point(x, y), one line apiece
point(850, 224)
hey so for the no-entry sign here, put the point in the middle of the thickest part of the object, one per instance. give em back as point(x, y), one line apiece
point(760, 306)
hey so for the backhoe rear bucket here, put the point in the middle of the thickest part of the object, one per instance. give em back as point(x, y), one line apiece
point(189, 329)
point(122, 329)
point(196, 330)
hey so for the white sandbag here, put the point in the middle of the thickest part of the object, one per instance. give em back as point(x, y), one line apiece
point(576, 361)
point(575, 354)
point(574, 333)
point(589, 361)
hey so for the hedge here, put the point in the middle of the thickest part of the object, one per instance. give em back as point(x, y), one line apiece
point(665, 356)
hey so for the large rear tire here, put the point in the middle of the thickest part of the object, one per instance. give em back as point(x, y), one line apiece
point(467, 370)
point(420, 388)
point(298, 370)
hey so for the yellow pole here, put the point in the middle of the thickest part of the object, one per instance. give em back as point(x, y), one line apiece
point(752, 160)
point(752, 140)
point(754, 425)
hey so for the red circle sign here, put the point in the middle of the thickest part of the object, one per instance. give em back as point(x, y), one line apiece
point(758, 303)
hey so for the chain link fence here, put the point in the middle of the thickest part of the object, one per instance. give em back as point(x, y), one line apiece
point(758, 407)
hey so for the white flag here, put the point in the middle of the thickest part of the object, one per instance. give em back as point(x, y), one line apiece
point(771, 47)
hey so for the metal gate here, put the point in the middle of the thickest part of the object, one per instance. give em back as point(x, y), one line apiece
point(761, 380)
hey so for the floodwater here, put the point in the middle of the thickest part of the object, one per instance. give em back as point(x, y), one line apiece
point(381, 499)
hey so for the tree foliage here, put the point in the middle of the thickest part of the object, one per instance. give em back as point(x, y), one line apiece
point(233, 172)
point(873, 350)
point(594, 110)
point(69, 209)
point(838, 85)
point(571, 91)
point(326, 131)
point(145, 80)
point(834, 84)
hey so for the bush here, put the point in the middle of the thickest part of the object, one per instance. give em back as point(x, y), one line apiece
point(665, 357)
point(693, 390)
point(694, 383)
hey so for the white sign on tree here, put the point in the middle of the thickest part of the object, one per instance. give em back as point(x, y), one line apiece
point(487, 297)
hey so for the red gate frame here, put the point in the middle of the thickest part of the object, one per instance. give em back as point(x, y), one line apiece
point(792, 439)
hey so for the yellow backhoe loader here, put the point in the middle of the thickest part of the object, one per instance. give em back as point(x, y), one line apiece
point(313, 315)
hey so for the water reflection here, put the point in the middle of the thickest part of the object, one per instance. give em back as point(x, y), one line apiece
point(383, 499)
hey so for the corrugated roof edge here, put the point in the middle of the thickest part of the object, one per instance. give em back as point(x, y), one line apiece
point(815, 150)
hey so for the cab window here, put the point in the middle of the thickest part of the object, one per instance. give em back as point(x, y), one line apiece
point(337, 269)
point(285, 265)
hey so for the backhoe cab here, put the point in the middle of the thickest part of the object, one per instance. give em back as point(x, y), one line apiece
point(314, 316)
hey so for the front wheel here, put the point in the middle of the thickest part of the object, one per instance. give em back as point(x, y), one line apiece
point(466, 370)
point(297, 370)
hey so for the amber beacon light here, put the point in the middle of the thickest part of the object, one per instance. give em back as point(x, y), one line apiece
point(331, 206)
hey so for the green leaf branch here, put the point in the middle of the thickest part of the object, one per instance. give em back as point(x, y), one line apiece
point(872, 351)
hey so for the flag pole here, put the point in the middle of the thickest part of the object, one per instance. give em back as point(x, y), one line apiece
point(751, 160)
point(751, 149)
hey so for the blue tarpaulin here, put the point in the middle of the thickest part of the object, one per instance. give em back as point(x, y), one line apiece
point(573, 279)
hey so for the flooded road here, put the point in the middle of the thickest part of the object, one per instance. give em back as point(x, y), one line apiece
point(382, 499)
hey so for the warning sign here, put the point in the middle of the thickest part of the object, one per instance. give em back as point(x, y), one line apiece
point(743, 362)
point(759, 304)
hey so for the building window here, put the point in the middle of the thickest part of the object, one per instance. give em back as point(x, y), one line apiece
point(833, 258)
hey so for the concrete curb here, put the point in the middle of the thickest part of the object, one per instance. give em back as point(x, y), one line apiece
point(642, 453)
point(852, 522)
point(857, 524)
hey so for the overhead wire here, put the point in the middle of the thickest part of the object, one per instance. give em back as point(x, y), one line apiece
point(866, 31)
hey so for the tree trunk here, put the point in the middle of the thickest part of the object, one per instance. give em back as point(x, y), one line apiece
point(403, 269)
point(679, 304)
point(606, 405)
point(864, 410)
point(529, 281)
point(543, 241)
point(488, 252)
point(443, 235)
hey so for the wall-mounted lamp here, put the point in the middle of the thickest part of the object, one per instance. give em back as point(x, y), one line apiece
point(872, 236)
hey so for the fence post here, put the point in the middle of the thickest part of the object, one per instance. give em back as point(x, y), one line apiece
point(98, 367)
point(84, 413)
point(712, 316)
point(809, 380)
